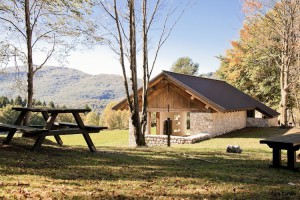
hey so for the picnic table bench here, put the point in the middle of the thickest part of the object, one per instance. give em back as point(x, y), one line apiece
point(51, 127)
point(24, 129)
point(289, 142)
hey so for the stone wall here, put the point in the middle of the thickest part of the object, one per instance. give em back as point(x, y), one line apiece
point(217, 123)
point(273, 122)
point(261, 122)
point(209, 124)
point(257, 122)
point(162, 140)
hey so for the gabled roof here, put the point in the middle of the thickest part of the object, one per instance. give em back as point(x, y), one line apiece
point(221, 95)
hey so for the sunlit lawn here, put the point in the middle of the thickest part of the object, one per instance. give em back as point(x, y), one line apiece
point(198, 171)
point(117, 138)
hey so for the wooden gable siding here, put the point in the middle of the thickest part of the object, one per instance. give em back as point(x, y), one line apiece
point(164, 92)
point(176, 98)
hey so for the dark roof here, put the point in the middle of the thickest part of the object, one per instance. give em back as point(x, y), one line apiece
point(219, 93)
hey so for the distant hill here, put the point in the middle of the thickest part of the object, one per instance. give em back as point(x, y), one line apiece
point(65, 86)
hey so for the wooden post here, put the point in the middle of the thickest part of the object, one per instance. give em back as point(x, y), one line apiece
point(158, 123)
point(169, 129)
point(276, 157)
point(291, 158)
point(149, 117)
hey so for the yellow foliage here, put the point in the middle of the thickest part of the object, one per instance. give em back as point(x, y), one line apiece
point(114, 119)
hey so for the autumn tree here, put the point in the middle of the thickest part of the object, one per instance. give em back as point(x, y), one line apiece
point(185, 65)
point(92, 119)
point(249, 70)
point(114, 119)
point(43, 26)
point(131, 25)
point(281, 19)
point(66, 117)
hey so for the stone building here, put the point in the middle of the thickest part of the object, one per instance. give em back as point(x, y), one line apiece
point(199, 108)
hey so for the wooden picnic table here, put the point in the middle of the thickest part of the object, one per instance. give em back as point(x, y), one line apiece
point(289, 142)
point(51, 127)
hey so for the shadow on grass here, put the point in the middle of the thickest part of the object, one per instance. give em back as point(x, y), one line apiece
point(119, 163)
point(168, 168)
point(255, 133)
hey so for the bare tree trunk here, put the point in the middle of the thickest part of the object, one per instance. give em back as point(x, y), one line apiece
point(140, 140)
point(284, 97)
point(30, 72)
point(286, 55)
point(145, 70)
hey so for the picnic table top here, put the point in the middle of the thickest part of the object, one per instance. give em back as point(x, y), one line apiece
point(288, 139)
point(52, 110)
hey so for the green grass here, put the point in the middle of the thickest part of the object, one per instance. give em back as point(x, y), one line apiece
point(199, 171)
point(117, 138)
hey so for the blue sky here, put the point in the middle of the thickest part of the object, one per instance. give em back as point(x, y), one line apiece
point(204, 32)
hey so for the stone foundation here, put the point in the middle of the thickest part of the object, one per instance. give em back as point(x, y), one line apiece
point(273, 122)
point(217, 123)
point(261, 122)
point(207, 125)
point(257, 122)
point(162, 140)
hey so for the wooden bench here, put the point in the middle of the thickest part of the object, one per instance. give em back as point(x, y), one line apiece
point(289, 142)
point(89, 128)
point(30, 131)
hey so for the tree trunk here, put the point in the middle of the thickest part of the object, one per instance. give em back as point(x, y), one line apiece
point(139, 137)
point(145, 70)
point(30, 72)
point(283, 103)
point(284, 81)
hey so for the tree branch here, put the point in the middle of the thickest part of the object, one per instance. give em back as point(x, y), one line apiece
point(16, 27)
point(47, 57)
point(165, 34)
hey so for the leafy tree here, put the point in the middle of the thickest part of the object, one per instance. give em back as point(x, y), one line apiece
point(4, 101)
point(87, 107)
point(251, 71)
point(7, 115)
point(18, 101)
point(185, 65)
point(51, 104)
point(66, 117)
point(114, 119)
point(38, 103)
point(281, 20)
point(92, 119)
point(37, 119)
point(42, 26)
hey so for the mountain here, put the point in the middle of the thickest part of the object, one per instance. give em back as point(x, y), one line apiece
point(64, 86)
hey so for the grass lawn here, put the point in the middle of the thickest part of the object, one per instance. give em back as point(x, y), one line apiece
point(199, 171)
point(117, 138)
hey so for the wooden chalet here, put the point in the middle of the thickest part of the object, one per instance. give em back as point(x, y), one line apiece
point(196, 105)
